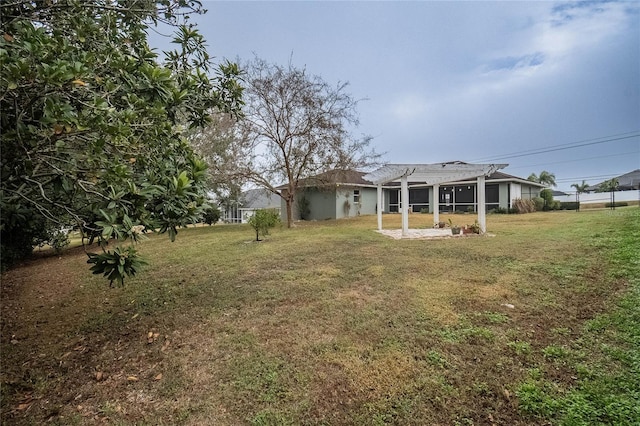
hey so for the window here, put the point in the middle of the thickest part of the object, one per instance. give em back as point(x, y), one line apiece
point(356, 196)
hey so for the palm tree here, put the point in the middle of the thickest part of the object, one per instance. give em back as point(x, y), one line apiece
point(545, 178)
point(611, 186)
point(581, 188)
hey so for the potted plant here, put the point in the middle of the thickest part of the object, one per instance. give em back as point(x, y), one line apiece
point(472, 229)
point(475, 228)
point(455, 229)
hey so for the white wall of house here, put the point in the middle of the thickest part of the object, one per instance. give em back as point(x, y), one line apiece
point(368, 200)
point(515, 190)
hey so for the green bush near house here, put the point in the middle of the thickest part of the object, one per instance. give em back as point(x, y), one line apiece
point(211, 215)
point(617, 204)
point(539, 202)
point(569, 205)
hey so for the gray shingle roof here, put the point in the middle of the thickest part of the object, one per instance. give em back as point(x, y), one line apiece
point(626, 181)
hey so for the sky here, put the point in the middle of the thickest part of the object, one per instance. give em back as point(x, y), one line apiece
point(539, 85)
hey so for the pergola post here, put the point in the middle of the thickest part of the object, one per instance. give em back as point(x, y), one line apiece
point(436, 203)
point(379, 207)
point(482, 207)
point(404, 199)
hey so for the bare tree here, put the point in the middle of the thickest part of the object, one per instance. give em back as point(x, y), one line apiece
point(219, 145)
point(294, 126)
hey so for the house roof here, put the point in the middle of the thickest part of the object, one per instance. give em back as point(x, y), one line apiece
point(626, 181)
point(334, 177)
point(504, 177)
point(259, 199)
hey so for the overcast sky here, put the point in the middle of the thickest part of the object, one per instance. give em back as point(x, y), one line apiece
point(472, 81)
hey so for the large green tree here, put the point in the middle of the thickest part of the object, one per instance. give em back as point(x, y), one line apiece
point(92, 122)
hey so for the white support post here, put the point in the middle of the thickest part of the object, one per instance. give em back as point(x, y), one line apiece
point(482, 205)
point(404, 197)
point(379, 207)
point(436, 203)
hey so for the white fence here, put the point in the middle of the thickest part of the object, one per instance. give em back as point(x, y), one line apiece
point(601, 197)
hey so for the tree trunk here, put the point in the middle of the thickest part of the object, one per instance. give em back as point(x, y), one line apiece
point(289, 202)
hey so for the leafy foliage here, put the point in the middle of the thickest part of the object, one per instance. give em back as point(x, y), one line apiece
point(211, 215)
point(116, 264)
point(608, 185)
point(92, 123)
point(545, 178)
point(263, 220)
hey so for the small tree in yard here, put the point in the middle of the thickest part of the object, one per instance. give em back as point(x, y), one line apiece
point(263, 220)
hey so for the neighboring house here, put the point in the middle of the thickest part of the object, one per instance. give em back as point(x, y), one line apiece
point(626, 182)
point(345, 193)
point(250, 201)
point(335, 194)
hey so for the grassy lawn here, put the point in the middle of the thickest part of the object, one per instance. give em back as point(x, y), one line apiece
point(331, 323)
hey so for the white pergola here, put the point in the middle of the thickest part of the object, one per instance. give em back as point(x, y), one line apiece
point(431, 174)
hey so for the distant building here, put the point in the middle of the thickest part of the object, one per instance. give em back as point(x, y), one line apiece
point(626, 182)
point(250, 201)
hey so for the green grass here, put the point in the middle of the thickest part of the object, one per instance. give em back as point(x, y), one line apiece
point(608, 352)
point(332, 323)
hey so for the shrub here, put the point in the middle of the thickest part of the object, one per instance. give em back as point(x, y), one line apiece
point(553, 205)
point(499, 210)
point(523, 206)
point(547, 196)
point(211, 215)
point(539, 202)
point(570, 205)
point(617, 204)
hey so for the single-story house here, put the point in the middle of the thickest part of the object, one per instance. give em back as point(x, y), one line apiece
point(346, 193)
point(251, 200)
